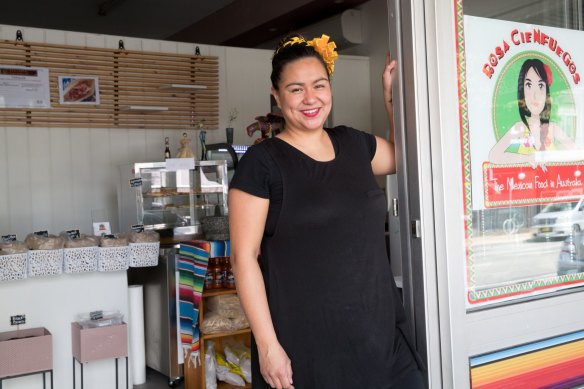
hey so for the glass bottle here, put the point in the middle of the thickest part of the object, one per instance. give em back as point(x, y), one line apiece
point(230, 276)
point(167, 149)
point(209, 274)
point(217, 274)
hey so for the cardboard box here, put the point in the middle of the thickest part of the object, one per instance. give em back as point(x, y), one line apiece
point(91, 344)
point(25, 351)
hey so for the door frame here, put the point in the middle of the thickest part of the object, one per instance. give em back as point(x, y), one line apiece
point(412, 124)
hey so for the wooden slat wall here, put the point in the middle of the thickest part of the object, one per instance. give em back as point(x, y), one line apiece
point(126, 78)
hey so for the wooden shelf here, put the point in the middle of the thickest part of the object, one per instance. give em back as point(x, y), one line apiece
point(218, 292)
point(182, 87)
point(225, 385)
point(199, 191)
point(224, 334)
point(195, 378)
point(143, 108)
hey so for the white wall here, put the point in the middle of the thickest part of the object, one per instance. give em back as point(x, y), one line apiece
point(351, 93)
point(375, 46)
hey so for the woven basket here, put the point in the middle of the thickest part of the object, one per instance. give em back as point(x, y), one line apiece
point(113, 258)
point(216, 227)
point(45, 262)
point(144, 254)
point(13, 266)
point(80, 259)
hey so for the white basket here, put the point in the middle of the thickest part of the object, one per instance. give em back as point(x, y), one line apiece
point(113, 258)
point(45, 262)
point(144, 254)
point(13, 267)
point(80, 259)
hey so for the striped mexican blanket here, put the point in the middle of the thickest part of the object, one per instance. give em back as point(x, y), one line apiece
point(192, 261)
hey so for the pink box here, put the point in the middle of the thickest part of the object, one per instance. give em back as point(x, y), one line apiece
point(25, 351)
point(91, 344)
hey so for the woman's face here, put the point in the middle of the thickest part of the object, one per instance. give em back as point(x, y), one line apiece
point(304, 94)
point(535, 92)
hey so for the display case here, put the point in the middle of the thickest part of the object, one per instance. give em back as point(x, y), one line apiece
point(172, 201)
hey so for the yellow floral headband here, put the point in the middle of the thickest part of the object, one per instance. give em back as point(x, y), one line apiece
point(322, 46)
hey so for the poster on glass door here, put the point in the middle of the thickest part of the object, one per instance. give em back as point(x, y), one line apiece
point(526, 139)
point(523, 152)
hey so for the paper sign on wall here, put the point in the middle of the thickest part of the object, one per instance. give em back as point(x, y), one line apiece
point(23, 87)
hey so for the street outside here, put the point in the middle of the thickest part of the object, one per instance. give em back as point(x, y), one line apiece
point(502, 259)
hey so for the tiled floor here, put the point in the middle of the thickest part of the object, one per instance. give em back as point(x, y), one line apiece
point(155, 380)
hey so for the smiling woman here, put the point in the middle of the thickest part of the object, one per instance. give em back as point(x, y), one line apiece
point(322, 302)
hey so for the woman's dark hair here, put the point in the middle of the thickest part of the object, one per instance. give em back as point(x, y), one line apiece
point(284, 54)
point(539, 68)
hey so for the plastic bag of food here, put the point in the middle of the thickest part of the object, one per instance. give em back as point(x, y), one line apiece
point(113, 241)
point(227, 305)
point(42, 242)
point(239, 322)
point(213, 323)
point(239, 354)
point(210, 366)
point(81, 241)
point(228, 372)
point(14, 247)
point(147, 236)
point(100, 319)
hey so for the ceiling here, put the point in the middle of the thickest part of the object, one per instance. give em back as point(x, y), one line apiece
point(239, 23)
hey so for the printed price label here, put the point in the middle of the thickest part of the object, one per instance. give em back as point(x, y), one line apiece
point(9, 238)
point(137, 228)
point(135, 182)
point(42, 233)
point(73, 234)
point(96, 315)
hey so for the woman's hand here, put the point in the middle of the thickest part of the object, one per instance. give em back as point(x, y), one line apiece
point(387, 77)
point(275, 366)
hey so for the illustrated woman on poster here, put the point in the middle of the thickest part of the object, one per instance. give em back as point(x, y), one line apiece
point(534, 132)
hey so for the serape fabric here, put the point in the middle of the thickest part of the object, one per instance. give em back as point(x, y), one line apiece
point(192, 262)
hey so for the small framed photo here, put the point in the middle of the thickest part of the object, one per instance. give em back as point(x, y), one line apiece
point(78, 90)
point(101, 228)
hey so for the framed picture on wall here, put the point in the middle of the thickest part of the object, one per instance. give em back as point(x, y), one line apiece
point(78, 90)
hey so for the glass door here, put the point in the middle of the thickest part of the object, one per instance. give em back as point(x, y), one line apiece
point(491, 128)
point(524, 148)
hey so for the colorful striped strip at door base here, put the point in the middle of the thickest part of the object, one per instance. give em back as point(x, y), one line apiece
point(555, 363)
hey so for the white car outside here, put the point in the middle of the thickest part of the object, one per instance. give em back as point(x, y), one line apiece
point(559, 219)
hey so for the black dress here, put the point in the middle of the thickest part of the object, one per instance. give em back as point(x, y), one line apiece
point(331, 293)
